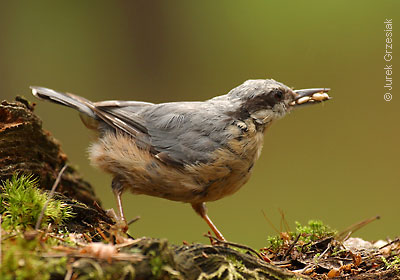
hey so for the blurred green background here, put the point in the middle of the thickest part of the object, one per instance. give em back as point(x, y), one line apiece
point(338, 162)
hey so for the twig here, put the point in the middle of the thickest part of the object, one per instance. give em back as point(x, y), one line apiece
point(53, 189)
point(137, 218)
point(291, 246)
point(345, 234)
point(314, 261)
point(235, 245)
point(303, 270)
point(324, 252)
point(269, 222)
point(283, 220)
point(129, 243)
point(102, 235)
point(390, 243)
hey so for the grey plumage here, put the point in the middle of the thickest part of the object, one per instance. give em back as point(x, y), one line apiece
point(192, 152)
point(174, 130)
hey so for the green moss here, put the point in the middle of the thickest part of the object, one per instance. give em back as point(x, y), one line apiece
point(156, 264)
point(21, 260)
point(313, 231)
point(394, 264)
point(237, 263)
point(274, 242)
point(21, 203)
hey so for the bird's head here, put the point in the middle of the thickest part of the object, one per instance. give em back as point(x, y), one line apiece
point(268, 100)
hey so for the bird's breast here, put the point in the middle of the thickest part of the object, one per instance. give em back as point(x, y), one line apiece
point(233, 162)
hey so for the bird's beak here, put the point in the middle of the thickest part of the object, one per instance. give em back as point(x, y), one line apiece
point(309, 96)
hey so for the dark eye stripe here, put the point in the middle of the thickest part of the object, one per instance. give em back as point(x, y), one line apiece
point(278, 95)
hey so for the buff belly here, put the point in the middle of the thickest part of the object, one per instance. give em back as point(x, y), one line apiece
point(142, 173)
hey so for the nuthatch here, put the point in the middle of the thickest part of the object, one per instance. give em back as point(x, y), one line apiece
point(192, 152)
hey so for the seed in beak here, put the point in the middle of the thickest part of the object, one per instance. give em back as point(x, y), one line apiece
point(302, 100)
point(320, 96)
point(316, 97)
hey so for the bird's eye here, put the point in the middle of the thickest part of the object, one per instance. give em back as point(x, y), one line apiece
point(278, 95)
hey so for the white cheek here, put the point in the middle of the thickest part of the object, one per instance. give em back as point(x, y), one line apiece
point(266, 115)
point(262, 116)
point(279, 110)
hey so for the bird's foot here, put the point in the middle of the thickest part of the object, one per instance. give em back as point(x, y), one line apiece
point(120, 223)
point(219, 240)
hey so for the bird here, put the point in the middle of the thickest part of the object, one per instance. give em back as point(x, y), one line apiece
point(193, 152)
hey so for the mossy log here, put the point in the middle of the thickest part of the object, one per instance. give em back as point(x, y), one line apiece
point(26, 148)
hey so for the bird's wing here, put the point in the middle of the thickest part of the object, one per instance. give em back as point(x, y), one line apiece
point(116, 111)
point(177, 133)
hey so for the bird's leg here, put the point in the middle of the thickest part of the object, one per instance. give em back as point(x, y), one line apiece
point(118, 188)
point(201, 209)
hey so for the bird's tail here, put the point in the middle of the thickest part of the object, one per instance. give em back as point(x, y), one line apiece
point(78, 103)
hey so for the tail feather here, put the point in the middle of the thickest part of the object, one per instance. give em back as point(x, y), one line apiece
point(78, 103)
point(98, 111)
